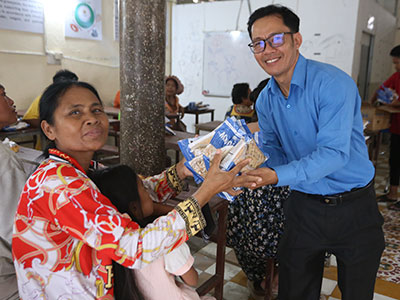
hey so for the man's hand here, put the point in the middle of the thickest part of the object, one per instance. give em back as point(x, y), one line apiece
point(267, 175)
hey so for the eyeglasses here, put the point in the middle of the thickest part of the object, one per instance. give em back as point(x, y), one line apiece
point(275, 40)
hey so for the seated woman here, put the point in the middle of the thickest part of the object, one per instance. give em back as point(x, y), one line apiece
point(173, 87)
point(66, 233)
point(12, 181)
point(128, 194)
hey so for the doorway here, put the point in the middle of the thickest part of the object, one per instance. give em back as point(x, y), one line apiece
point(364, 74)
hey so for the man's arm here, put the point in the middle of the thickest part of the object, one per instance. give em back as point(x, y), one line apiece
point(270, 142)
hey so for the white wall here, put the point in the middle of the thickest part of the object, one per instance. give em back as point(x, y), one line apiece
point(25, 75)
point(189, 21)
point(333, 21)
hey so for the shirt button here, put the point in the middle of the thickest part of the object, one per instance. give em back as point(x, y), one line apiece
point(288, 106)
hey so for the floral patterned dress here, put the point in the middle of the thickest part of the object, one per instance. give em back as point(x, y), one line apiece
point(66, 233)
point(255, 225)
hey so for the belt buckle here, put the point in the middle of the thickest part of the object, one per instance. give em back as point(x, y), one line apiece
point(332, 200)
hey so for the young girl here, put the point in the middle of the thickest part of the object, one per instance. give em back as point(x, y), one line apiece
point(173, 87)
point(66, 233)
point(157, 280)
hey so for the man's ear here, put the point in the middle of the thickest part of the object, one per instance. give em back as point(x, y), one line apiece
point(48, 130)
point(298, 40)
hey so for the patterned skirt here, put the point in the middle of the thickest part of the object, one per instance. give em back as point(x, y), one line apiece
point(255, 225)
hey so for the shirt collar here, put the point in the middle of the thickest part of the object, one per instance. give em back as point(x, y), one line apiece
point(59, 155)
point(298, 77)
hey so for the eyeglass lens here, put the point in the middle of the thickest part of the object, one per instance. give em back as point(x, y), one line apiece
point(274, 41)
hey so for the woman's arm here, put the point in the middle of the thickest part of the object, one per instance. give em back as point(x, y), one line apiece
point(191, 277)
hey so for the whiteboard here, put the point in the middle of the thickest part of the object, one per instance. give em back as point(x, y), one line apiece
point(228, 60)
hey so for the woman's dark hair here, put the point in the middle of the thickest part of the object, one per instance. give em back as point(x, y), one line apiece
point(254, 93)
point(290, 19)
point(240, 91)
point(51, 99)
point(395, 52)
point(119, 185)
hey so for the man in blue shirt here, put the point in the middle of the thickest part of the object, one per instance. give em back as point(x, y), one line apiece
point(311, 126)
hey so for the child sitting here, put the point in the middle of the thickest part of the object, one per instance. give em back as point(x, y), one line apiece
point(242, 105)
point(157, 280)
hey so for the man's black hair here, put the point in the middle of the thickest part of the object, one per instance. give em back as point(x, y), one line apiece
point(65, 75)
point(395, 52)
point(290, 19)
point(240, 91)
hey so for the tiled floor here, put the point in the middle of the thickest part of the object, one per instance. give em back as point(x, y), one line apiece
point(235, 287)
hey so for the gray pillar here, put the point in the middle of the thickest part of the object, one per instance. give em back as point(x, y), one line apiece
point(142, 69)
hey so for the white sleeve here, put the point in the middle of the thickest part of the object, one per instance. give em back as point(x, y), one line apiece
point(179, 261)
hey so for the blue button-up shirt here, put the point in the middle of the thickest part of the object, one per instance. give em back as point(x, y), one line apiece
point(314, 138)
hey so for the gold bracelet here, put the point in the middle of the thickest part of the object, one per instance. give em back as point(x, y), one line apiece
point(190, 211)
point(174, 181)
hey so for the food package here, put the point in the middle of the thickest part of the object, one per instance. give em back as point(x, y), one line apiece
point(13, 145)
point(236, 143)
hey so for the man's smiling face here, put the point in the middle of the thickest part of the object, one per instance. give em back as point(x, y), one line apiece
point(278, 62)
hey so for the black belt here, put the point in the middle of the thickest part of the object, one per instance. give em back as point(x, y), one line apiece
point(337, 199)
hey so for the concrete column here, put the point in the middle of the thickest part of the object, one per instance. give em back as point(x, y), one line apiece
point(142, 69)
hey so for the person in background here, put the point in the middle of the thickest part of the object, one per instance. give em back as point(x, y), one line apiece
point(255, 225)
point(117, 100)
point(173, 87)
point(242, 105)
point(311, 128)
point(128, 194)
point(12, 181)
point(393, 82)
point(254, 93)
point(66, 233)
point(31, 116)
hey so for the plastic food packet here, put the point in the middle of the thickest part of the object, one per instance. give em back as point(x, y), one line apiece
point(385, 95)
point(236, 142)
point(13, 145)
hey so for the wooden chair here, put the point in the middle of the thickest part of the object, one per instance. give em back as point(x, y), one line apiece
point(220, 206)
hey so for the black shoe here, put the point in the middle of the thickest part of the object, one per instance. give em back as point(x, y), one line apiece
point(384, 198)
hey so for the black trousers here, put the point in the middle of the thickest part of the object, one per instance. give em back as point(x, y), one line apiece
point(394, 159)
point(351, 230)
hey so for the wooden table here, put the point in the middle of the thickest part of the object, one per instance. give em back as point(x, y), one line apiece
point(200, 112)
point(207, 126)
point(220, 206)
point(34, 133)
point(171, 141)
point(111, 111)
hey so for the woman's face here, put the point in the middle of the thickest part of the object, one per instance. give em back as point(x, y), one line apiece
point(8, 115)
point(80, 124)
point(170, 88)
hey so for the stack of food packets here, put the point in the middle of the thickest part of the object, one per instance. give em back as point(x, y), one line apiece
point(236, 142)
point(385, 95)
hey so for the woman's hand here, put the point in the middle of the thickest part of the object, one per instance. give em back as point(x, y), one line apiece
point(182, 171)
point(217, 181)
